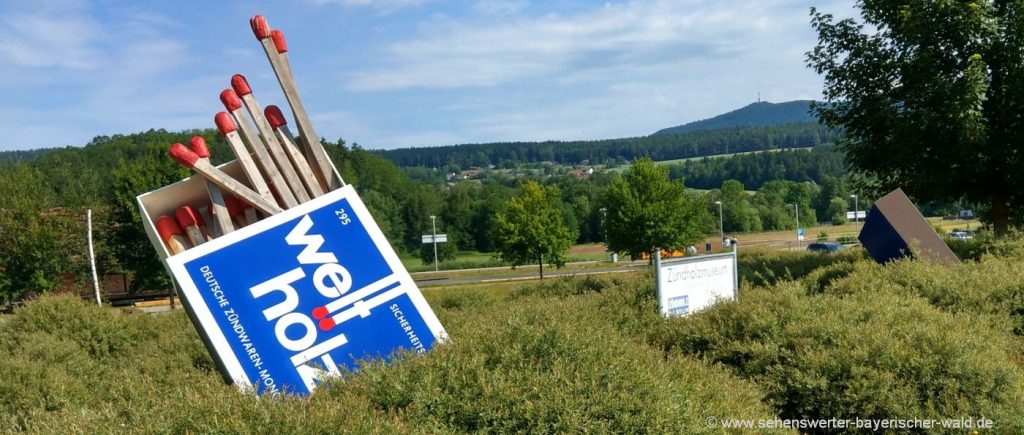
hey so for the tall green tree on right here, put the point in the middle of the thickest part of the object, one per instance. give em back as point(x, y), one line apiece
point(930, 97)
point(645, 210)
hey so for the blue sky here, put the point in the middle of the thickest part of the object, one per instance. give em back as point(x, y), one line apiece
point(398, 73)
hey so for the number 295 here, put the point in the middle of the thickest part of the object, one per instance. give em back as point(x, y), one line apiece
point(342, 216)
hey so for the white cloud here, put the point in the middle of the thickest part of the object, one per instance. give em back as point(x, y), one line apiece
point(620, 69)
point(452, 53)
point(48, 40)
point(60, 64)
point(499, 7)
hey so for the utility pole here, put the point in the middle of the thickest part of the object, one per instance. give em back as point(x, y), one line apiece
point(433, 235)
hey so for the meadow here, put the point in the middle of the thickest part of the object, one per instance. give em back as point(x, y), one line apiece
point(811, 336)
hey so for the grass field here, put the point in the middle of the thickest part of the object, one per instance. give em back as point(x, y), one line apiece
point(787, 239)
point(623, 168)
point(476, 260)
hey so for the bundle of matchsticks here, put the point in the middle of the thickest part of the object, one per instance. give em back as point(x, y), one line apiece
point(287, 170)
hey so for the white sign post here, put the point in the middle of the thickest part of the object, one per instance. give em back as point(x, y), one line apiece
point(690, 284)
point(434, 238)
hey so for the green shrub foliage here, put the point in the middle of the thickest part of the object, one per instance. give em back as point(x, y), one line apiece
point(557, 360)
point(814, 336)
point(762, 267)
point(870, 355)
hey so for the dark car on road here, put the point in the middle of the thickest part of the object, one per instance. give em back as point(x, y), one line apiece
point(825, 247)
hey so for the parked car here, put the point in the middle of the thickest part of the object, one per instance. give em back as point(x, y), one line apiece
point(825, 247)
point(960, 235)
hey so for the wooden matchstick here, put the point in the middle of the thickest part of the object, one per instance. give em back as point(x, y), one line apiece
point(228, 129)
point(234, 105)
point(275, 48)
point(242, 89)
point(249, 213)
point(198, 146)
point(213, 231)
point(192, 223)
point(171, 234)
point(280, 126)
point(236, 211)
point(186, 157)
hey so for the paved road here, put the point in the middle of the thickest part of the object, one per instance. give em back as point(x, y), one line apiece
point(441, 279)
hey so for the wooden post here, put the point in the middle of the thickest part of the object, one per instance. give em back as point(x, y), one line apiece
point(92, 258)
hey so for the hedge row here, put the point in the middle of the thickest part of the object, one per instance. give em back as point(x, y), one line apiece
point(854, 339)
point(541, 364)
point(812, 336)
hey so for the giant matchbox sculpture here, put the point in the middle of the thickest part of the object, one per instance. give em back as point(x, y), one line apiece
point(279, 264)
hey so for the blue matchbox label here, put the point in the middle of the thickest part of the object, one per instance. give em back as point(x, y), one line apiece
point(288, 300)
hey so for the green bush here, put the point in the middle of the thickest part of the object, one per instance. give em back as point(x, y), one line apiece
point(847, 240)
point(992, 287)
point(570, 286)
point(541, 364)
point(986, 243)
point(822, 278)
point(762, 267)
point(552, 365)
point(871, 355)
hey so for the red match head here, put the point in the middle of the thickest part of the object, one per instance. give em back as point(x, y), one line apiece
point(260, 28)
point(233, 205)
point(224, 122)
point(198, 146)
point(274, 116)
point(187, 217)
point(240, 85)
point(278, 37)
point(230, 100)
point(182, 155)
point(167, 228)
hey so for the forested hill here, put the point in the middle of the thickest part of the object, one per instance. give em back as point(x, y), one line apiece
point(760, 113)
point(21, 156)
point(660, 147)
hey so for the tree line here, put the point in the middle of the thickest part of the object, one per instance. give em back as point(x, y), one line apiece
point(756, 169)
point(656, 147)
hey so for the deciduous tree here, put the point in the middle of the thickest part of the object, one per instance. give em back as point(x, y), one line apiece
point(646, 211)
point(929, 95)
point(531, 228)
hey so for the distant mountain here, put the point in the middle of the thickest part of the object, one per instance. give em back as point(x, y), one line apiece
point(756, 114)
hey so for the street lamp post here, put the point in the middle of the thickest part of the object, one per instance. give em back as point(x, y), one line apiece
point(433, 235)
point(721, 226)
point(856, 211)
